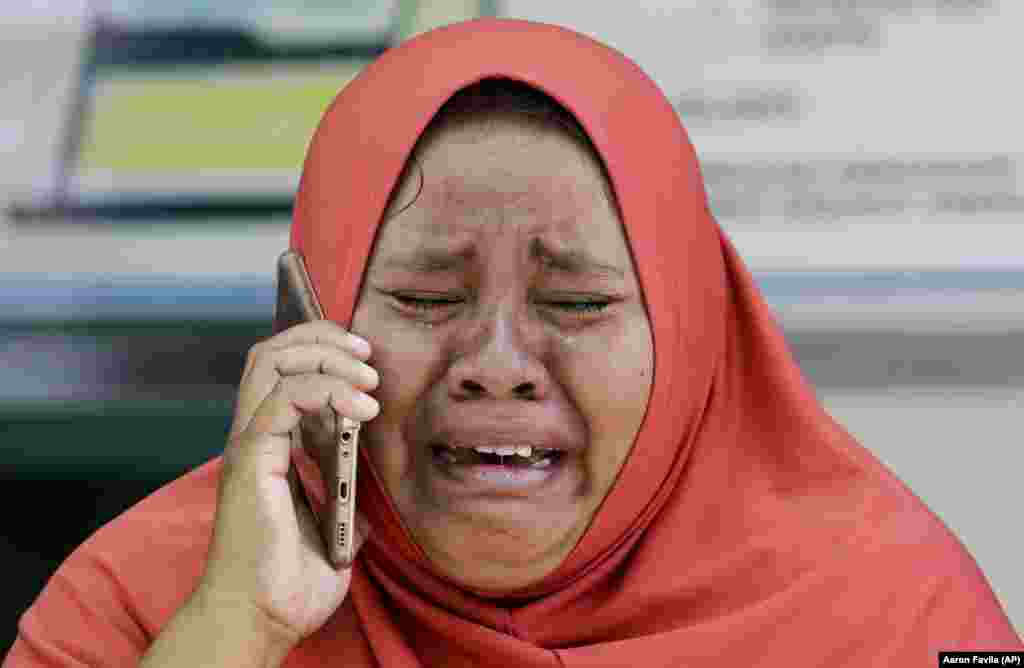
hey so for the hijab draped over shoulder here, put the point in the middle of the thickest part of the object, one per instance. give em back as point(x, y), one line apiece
point(746, 527)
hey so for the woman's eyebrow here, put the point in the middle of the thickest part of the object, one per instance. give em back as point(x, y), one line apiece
point(572, 261)
point(576, 262)
point(426, 260)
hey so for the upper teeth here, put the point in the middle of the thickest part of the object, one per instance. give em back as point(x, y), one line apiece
point(507, 450)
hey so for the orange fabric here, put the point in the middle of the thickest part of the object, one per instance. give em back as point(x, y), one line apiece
point(747, 528)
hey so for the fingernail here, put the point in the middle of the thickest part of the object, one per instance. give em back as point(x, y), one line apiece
point(371, 376)
point(368, 403)
point(360, 343)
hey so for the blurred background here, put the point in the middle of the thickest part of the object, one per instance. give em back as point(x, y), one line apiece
point(864, 155)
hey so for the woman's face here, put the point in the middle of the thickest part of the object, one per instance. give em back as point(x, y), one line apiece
point(505, 313)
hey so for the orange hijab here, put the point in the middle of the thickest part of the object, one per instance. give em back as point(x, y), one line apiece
point(746, 528)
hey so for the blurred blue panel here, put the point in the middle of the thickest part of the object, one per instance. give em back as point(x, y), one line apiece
point(69, 297)
point(26, 298)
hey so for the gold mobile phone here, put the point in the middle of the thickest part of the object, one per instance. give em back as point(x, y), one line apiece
point(296, 303)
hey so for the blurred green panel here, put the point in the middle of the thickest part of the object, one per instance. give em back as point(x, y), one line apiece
point(233, 115)
point(112, 440)
point(241, 117)
point(126, 400)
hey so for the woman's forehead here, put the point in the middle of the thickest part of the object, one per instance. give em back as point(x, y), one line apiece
point(461, 220)
point(542, 184)
point(556, 201)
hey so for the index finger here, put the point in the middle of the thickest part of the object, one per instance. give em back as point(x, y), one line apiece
point(321, 332)
point(315, 331)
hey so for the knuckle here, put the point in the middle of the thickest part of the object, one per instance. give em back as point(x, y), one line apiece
point(338, 362)
point(308, 391)
point(289, 385)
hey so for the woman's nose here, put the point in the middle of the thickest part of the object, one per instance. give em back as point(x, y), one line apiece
point(495, 361)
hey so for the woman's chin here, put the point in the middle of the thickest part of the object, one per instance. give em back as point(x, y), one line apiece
point(494, 528)
point(491, 579)
point(494, 561)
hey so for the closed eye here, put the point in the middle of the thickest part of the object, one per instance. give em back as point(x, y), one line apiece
point(424, 304)
point(582, 306)
point(430, 304)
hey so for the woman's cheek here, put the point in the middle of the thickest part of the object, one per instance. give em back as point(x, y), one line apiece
point(610, 390)
point(409, 371)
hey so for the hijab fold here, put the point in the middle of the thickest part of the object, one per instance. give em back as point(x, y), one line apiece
point(746, 526)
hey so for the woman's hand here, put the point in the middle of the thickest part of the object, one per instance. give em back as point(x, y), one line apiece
point(267, 557)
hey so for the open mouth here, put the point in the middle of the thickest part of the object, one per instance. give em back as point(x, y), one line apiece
point(523, 457)
point(499, 473)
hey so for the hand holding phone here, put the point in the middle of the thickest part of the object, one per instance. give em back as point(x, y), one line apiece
point(297, 302)
point(273, 568)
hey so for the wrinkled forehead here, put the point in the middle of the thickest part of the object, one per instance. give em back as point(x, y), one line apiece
point(483, 174)
point(441, 205)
